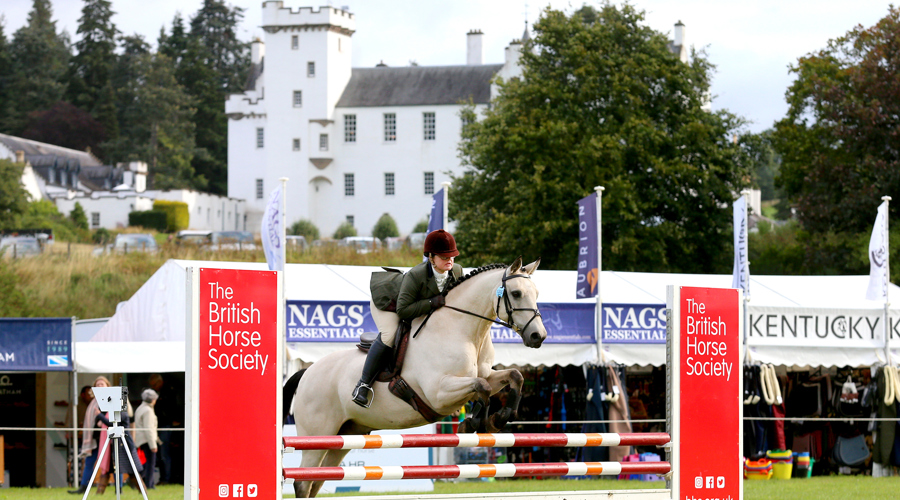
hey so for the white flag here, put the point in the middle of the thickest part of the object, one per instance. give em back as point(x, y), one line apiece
point(272, 221)
point(878, 257)
point(741, 273)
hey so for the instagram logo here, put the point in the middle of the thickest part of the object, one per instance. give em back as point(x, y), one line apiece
point(223, 491)
point(698, 482)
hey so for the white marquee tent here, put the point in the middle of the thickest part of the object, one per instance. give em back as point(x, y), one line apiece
point(147, 332)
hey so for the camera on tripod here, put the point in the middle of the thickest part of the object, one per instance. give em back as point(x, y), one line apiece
point(114, 399)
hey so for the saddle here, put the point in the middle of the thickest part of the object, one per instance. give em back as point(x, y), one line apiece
point(391, 373)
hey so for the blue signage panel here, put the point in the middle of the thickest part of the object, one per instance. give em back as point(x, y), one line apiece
point(334, 321)
point(634, 324)
point(35, 344)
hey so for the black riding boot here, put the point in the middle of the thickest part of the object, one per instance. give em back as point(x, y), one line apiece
point(375, 360)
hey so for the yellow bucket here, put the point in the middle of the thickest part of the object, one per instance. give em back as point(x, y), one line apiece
point(782, 470)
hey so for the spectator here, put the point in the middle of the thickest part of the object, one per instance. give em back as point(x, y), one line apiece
point(146, 437)
point(91, 442)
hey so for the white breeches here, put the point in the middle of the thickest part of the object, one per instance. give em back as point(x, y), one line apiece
point(387, 323)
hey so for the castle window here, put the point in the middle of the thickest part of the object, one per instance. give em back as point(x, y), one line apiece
point(95, 220)
point(311, 69)
point(323, 142)
point(298, 98)
point(296, 144)
point(349, 185)
point(349, 128)
point(259, 137)
point(350, 220)
point(428, 126)
point(389, 184)
point(390, 127)
point(429, 182)
point(295, 42)
point(339, 46)
point(259, 193)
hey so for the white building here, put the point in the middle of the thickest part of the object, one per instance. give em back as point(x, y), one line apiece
point(108, 194)
point(354, 142)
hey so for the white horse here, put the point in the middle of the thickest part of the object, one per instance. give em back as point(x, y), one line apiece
point(449, 363)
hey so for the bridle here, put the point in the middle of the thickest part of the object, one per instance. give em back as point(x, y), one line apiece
point(502, 293)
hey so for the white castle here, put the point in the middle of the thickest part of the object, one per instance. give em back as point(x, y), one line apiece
point(355, 142)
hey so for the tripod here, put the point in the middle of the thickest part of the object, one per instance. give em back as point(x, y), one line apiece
point(115, 431)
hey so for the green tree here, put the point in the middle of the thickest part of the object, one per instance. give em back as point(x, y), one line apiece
point(602, 102)
point(305, 228)
point(65, 125)
point(90, 71)
point(6, 104)
point(764, 162)
point(13, 197)
point(838, 141)
point(344, 230)
point(155, 116)
point(78, 217)
point(214, 64)
point(386, 227)
point(38, 60)
point(421, 226)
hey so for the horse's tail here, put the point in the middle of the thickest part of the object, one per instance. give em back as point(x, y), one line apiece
point(287, 394)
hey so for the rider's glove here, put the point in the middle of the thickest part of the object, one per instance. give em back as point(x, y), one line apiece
point(437, 302)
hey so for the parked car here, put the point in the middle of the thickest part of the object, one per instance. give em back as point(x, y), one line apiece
point(394, 243)
point(416, 240)
point(232, 240)
point(135, 242)
point(296, 243)
point(20, 246)
point(193, 237)
point(362, 244)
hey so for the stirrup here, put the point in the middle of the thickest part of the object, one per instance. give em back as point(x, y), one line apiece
point(362, 398)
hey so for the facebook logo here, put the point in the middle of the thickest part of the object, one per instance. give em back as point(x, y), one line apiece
point(237, 490)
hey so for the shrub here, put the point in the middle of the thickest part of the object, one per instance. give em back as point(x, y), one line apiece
point(177, 215)
point(421, 226)
point(305, 228)
point(150, 219)
point(101, 236)
point(344, 230)
point(78, 217)
point(386, 227)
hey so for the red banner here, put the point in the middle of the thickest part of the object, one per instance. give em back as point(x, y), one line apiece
point(238, 384)
point(710, 340)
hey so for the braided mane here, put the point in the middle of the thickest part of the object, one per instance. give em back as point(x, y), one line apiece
point(474, 272)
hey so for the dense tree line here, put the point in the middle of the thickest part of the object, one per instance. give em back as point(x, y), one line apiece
point(114, 94)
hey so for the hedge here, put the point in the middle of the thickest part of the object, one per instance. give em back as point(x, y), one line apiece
point(150, 219)
point(178, 215)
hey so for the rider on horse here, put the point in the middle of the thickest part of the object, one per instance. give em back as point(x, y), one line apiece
point(420, 293)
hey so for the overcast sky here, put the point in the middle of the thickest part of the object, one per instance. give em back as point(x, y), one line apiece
point(751, 43)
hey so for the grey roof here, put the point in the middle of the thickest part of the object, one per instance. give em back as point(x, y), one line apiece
point(418, 85)
point(42, 154)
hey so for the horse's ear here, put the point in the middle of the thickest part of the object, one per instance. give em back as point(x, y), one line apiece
point(516, 265)
point(531, 268)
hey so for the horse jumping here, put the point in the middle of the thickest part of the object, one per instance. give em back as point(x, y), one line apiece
point(449, 363)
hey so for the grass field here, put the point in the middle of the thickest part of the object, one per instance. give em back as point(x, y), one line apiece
point(818, 488)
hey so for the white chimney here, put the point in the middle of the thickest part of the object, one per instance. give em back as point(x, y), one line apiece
point(679, 34)
point(257, 50)
point(474, 52)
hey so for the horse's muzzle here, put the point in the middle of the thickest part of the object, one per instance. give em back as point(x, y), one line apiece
point(534, 339)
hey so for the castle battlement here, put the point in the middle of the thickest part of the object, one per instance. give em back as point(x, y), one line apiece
point(277, 18)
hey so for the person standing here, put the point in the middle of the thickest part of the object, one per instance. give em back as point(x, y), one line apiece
point(146, 437)
point(90, 445)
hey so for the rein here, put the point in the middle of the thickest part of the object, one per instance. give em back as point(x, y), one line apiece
point(502, 293)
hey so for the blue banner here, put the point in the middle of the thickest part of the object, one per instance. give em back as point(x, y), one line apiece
point(35, 344)
point(634, 324)
point(586, 285)
point(335, 321)
point(436, 219)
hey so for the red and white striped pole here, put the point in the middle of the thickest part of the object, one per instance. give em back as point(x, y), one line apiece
point(373, 441)
point(472, 471)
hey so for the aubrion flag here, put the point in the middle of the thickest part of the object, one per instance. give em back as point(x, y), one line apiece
point(878, 257)
point(586, 286)
point(436, 219)
point(741, 273)
point(271, 231)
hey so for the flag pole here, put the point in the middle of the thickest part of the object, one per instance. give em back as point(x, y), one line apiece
point(887, 284)
point(444, 216)
point(598, 312)
point(746, 194)
point(281, 302)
